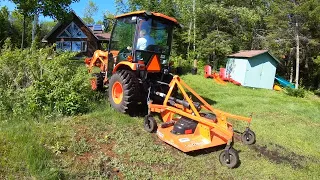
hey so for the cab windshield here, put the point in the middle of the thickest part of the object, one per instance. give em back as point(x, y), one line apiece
point(153, 36)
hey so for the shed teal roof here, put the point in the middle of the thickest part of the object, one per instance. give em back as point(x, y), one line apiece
point(252, 53)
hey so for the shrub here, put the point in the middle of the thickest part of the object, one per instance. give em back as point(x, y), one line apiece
point(295, 92)
point(32, 84)
point(184, 64)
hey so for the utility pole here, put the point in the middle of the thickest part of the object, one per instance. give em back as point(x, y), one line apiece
point(297, 57)
point(297, 48)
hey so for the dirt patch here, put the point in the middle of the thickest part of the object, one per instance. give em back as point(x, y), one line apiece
point(277, 155)
point(100, 155)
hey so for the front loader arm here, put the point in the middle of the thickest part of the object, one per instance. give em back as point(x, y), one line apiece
point(99, 59)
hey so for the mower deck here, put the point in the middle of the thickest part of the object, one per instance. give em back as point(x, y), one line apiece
point(190, 125)
point(189, 142)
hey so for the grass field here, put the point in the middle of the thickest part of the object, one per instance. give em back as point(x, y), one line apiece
point(109, 145)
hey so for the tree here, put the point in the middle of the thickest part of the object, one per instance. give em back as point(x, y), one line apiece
point(293, 23)
point(89, 11)
point(107, 16)
point(16, 19)
point(56, 9)
point(226, 26)
point(5, 28)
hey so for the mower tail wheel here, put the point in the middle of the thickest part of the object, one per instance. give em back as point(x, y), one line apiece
point(150, 124)
point(248, 137)
point(233, 158)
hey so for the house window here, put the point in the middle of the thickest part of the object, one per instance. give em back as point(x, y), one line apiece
point(72, 39)
point(72, 31)
point(74, 46)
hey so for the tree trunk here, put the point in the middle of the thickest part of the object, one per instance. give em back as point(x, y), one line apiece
point(189, 34)
point(34, 26)
point(24, 31)
point(291, 70)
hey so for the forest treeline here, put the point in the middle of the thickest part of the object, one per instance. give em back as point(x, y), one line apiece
point(212, 29)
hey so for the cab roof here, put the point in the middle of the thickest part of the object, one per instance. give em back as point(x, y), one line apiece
point(147, 12)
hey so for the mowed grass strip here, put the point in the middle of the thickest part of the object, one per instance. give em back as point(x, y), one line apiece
point(110, 145)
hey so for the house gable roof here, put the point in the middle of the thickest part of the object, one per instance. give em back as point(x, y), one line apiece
point(252, 53)
point(104, 36)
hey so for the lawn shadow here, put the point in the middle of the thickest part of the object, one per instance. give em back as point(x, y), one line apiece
point(210, 101)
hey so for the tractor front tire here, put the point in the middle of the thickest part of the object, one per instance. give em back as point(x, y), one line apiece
point(124, 91)
point(97, 82)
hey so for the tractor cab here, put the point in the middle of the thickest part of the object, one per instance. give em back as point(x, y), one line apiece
point(142, 37)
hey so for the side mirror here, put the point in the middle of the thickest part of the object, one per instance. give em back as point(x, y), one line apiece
point(106, 24)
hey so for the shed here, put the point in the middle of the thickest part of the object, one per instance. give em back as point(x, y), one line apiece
point(253, 68)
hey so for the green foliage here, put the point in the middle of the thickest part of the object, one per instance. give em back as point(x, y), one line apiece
point(12, 27)
point(317, 92)
point(295, 92)
point(31, 84)
point(184, 64)
point(56, 9)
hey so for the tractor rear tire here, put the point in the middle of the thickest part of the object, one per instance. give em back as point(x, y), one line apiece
point(124, 92)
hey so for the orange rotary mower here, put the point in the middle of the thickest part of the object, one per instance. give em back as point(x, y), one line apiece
point(193, 125)
point(135, 69)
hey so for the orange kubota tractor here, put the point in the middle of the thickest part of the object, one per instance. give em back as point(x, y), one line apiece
point(137, 72)
point(134, 62)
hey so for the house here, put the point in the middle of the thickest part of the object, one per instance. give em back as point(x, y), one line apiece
point(74, 35)
point(253, 68)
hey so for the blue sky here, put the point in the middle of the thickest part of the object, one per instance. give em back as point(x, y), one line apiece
point(77, 7)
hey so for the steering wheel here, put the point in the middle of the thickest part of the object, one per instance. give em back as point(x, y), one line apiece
point(155, 48)
point(123, 54)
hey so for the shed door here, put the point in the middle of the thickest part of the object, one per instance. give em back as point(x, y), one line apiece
point(267, 74)
point(254, 73)
point(260, 73)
